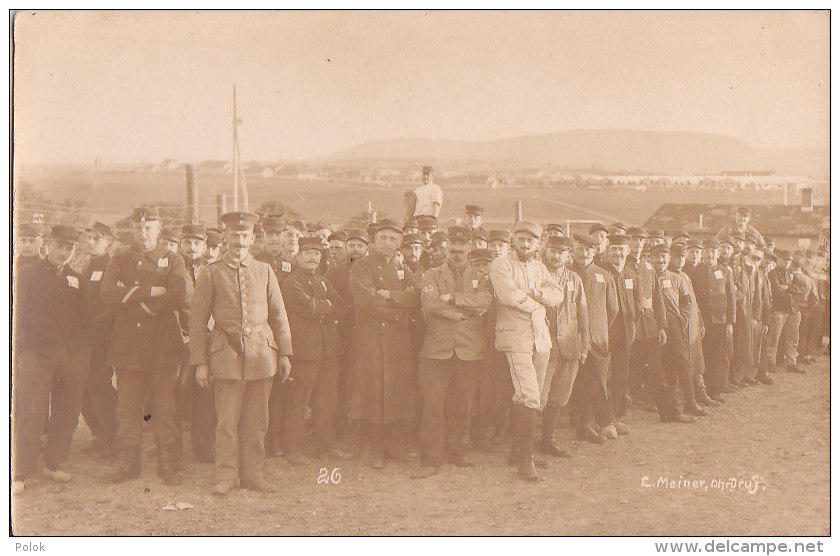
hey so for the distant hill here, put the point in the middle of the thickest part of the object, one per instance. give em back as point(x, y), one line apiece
point(610, 150)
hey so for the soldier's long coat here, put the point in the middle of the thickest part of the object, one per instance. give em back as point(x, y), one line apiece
point(381, 388)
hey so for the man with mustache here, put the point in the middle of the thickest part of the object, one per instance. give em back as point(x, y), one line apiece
point(524, 288)
point(249, 344)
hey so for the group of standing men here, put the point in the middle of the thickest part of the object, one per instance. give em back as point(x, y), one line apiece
point(403, 335)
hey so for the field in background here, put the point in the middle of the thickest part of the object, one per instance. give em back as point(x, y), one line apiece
point(108, 196)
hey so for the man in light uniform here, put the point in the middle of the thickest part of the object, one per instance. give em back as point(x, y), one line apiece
point(524, 288)
point(249, 343)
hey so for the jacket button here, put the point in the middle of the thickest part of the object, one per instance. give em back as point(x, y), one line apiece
point(247, 330)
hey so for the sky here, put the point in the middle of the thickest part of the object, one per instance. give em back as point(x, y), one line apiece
point(144, 86)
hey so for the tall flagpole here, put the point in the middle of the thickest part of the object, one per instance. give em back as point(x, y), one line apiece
point(235, 168)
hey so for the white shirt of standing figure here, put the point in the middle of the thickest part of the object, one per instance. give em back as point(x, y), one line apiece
point(429, 200)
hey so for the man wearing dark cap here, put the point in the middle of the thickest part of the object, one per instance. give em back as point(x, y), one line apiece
point(715, 294)
point(784, 325)
point(495, 389)
point(314, 309)
point(590, 394)
point(249, 344)
point(618, 228)
point(765, 267)
point(524, 288)
point(622, 333)
point(600, 233)
point(741, 224)
point(215, 240)
point(384, 296)
point(555, 230)
point(696, 328)
point(412, 249)
point(479, 238)
point(99, 407)
point(656, 237)
point(339, 277)
point(51, 357)
point(568, 324)
point(146, 285)
point(169, 238)
point(678, 299)
point(436, 255)
point(337, 248)
point(28, 242)
point(455, 301)
point(498, 242)
point(426, 226)
point(194, 399)
point(746, 317)
point(276, 252)
point(411, 227)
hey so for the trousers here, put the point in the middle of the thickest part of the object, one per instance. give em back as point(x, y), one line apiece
point(133, 387)
point(47, 390)
point(560, 375)
point(590, 400)
point(619, 376)
point(315, 384)
point(783, 335)
point(242, 413)
point(447, 387)
point(99, 405)
point(714, 353)
point(527, 372)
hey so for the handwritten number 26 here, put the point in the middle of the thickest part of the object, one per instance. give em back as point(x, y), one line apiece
point(325, 476)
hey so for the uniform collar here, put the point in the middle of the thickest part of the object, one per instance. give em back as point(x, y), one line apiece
point(233, 263)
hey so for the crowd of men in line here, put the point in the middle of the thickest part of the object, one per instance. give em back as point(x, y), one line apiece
point(387, 340)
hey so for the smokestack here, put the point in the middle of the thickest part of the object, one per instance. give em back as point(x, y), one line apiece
point(807, 201)
point(700, 223)
point(192, 196)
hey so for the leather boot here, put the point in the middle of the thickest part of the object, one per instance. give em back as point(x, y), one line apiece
point(700, 393)
point(515, 427)
point(548, 446)
point(167, 465)
point(128, 466)
point(528, 417)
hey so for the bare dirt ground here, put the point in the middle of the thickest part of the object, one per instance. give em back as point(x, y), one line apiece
point(779, 433)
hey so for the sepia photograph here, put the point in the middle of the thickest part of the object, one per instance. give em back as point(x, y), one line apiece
point(421, 273)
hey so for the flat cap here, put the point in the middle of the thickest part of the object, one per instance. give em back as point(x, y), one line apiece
point(305, 243)
point(316, 226)
point(411, 225)
point(358, 235)
point(438, 238)
point(29, 230)
point(474, 209)
point(528, 227)
point(480, 255)
point(411, 239)
point(214, 237)
point(711, 243)
point(273, 223)
point(619, 226)
point(388, 224)
point(298, 226)
point(658, 249)
point(65, 234)
point(555, 228)
point(743, 210)
point(727, 241)
point(239, 220)
point(597, 227)
point(338, 236)
point(103, 230)
point(144, 213)
point(427, 222)
point(677, 248)
point(559, 243)
point(194, 231)
point(170, 233)
point(635, 231)
point(586, 240)
point(656, 234)
point(694, 244)
point(459, 234)
point(498, 235)
point(618, 239)
point(427, 169)
point(680, 233)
